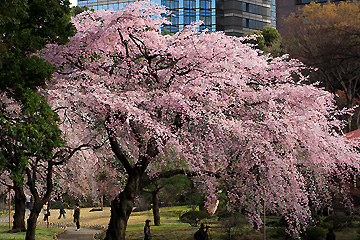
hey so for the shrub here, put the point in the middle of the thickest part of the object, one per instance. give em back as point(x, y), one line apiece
point(233, 223)
point(273, 221)
point(339, 222)
point(194, 217)
point(314, 233)
point(277, 232)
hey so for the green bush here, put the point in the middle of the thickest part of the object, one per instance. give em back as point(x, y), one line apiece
point(273, 221)
point(276, 232)
point(194, 217)
point(233, 223)
point(316, 218)
point(314, 233)
point(339, 222)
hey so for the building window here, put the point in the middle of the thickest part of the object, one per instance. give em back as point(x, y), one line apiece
point(246, 22)
point(309, 1)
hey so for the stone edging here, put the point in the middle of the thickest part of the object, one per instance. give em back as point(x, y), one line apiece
point(63, 226)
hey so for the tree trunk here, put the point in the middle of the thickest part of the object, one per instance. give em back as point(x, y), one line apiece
point(19, 216)
point(156, 208)
point(39, 202)
point(122, 206)
point(102, 202)
point(31, 222)
point(358, 120)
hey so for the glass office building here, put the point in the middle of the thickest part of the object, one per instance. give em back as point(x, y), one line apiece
point(188, 11)
point(104, 4)
point(239, 17)
point(234, 17)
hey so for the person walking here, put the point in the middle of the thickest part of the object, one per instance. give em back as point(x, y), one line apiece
point(46, 210)
point(62, 210)
point(77, 216)
point(330, 235)
point(147, 230)
point(202, 233)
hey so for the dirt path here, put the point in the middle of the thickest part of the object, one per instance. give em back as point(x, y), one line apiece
point(82, 234)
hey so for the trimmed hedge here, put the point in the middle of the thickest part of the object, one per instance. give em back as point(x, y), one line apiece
point(194, 217)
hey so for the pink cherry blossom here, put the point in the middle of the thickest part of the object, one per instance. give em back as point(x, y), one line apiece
point(209, 104)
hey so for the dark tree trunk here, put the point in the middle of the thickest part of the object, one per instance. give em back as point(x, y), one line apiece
point(31, 222)
point(358, 120)
point(156, 208)
point(39, 202)
point(155, 202)
point(122, 206)
point(19, 216)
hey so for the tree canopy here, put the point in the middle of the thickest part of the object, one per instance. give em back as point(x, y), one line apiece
point(26, 27)
point(268, 40)
point(326, 37)
point(204, 104)
point(28, 126)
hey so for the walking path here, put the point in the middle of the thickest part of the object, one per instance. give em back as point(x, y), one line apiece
point(82, 234)
point(70, 233)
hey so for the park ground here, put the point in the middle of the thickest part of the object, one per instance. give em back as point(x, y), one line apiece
point(171, 227)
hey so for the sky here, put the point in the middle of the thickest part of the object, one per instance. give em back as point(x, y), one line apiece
point(73, 2)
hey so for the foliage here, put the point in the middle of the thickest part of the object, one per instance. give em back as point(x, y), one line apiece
point(25, 28)
point(201, 104)
point(32, 133)
point(42, 233)
point(268, 40)
point(28, 125)
point(338, 222)
point(313, 233)
point(273, 41)
point(325, 36)
point(233, 223)
point(108, 179)
point(258, 40)
point(29, 133)
point(78, 9)
point(178, 190)
point(194, 217)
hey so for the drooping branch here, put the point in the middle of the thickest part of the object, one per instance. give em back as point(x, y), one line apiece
point(119, 153)
point(5, 184)
point(157, 189)
point(171, 173)
point(66, 154)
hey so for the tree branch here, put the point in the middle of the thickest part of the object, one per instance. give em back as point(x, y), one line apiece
point(119, 153)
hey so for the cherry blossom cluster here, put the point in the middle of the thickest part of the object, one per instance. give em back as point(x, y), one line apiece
point(215, 107)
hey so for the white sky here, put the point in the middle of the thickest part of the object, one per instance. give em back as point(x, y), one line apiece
point(73, 3)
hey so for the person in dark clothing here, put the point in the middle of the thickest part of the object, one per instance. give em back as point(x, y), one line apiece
point(62, 210)
point(147, 230)
point(77, 216)
point(202, 233)
point(330, 235)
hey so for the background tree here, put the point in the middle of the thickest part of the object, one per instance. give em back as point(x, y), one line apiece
point(268, 40)
point(326, 37)
point(29, 133)
point(155, 202)
point(25, 28)
point(204, 104)
point(78, 9)
point(272, 41)
point(179, 190)
point(109, 180)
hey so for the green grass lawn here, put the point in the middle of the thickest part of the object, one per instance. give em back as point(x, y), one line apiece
point(42, 233)
point(171, 228)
